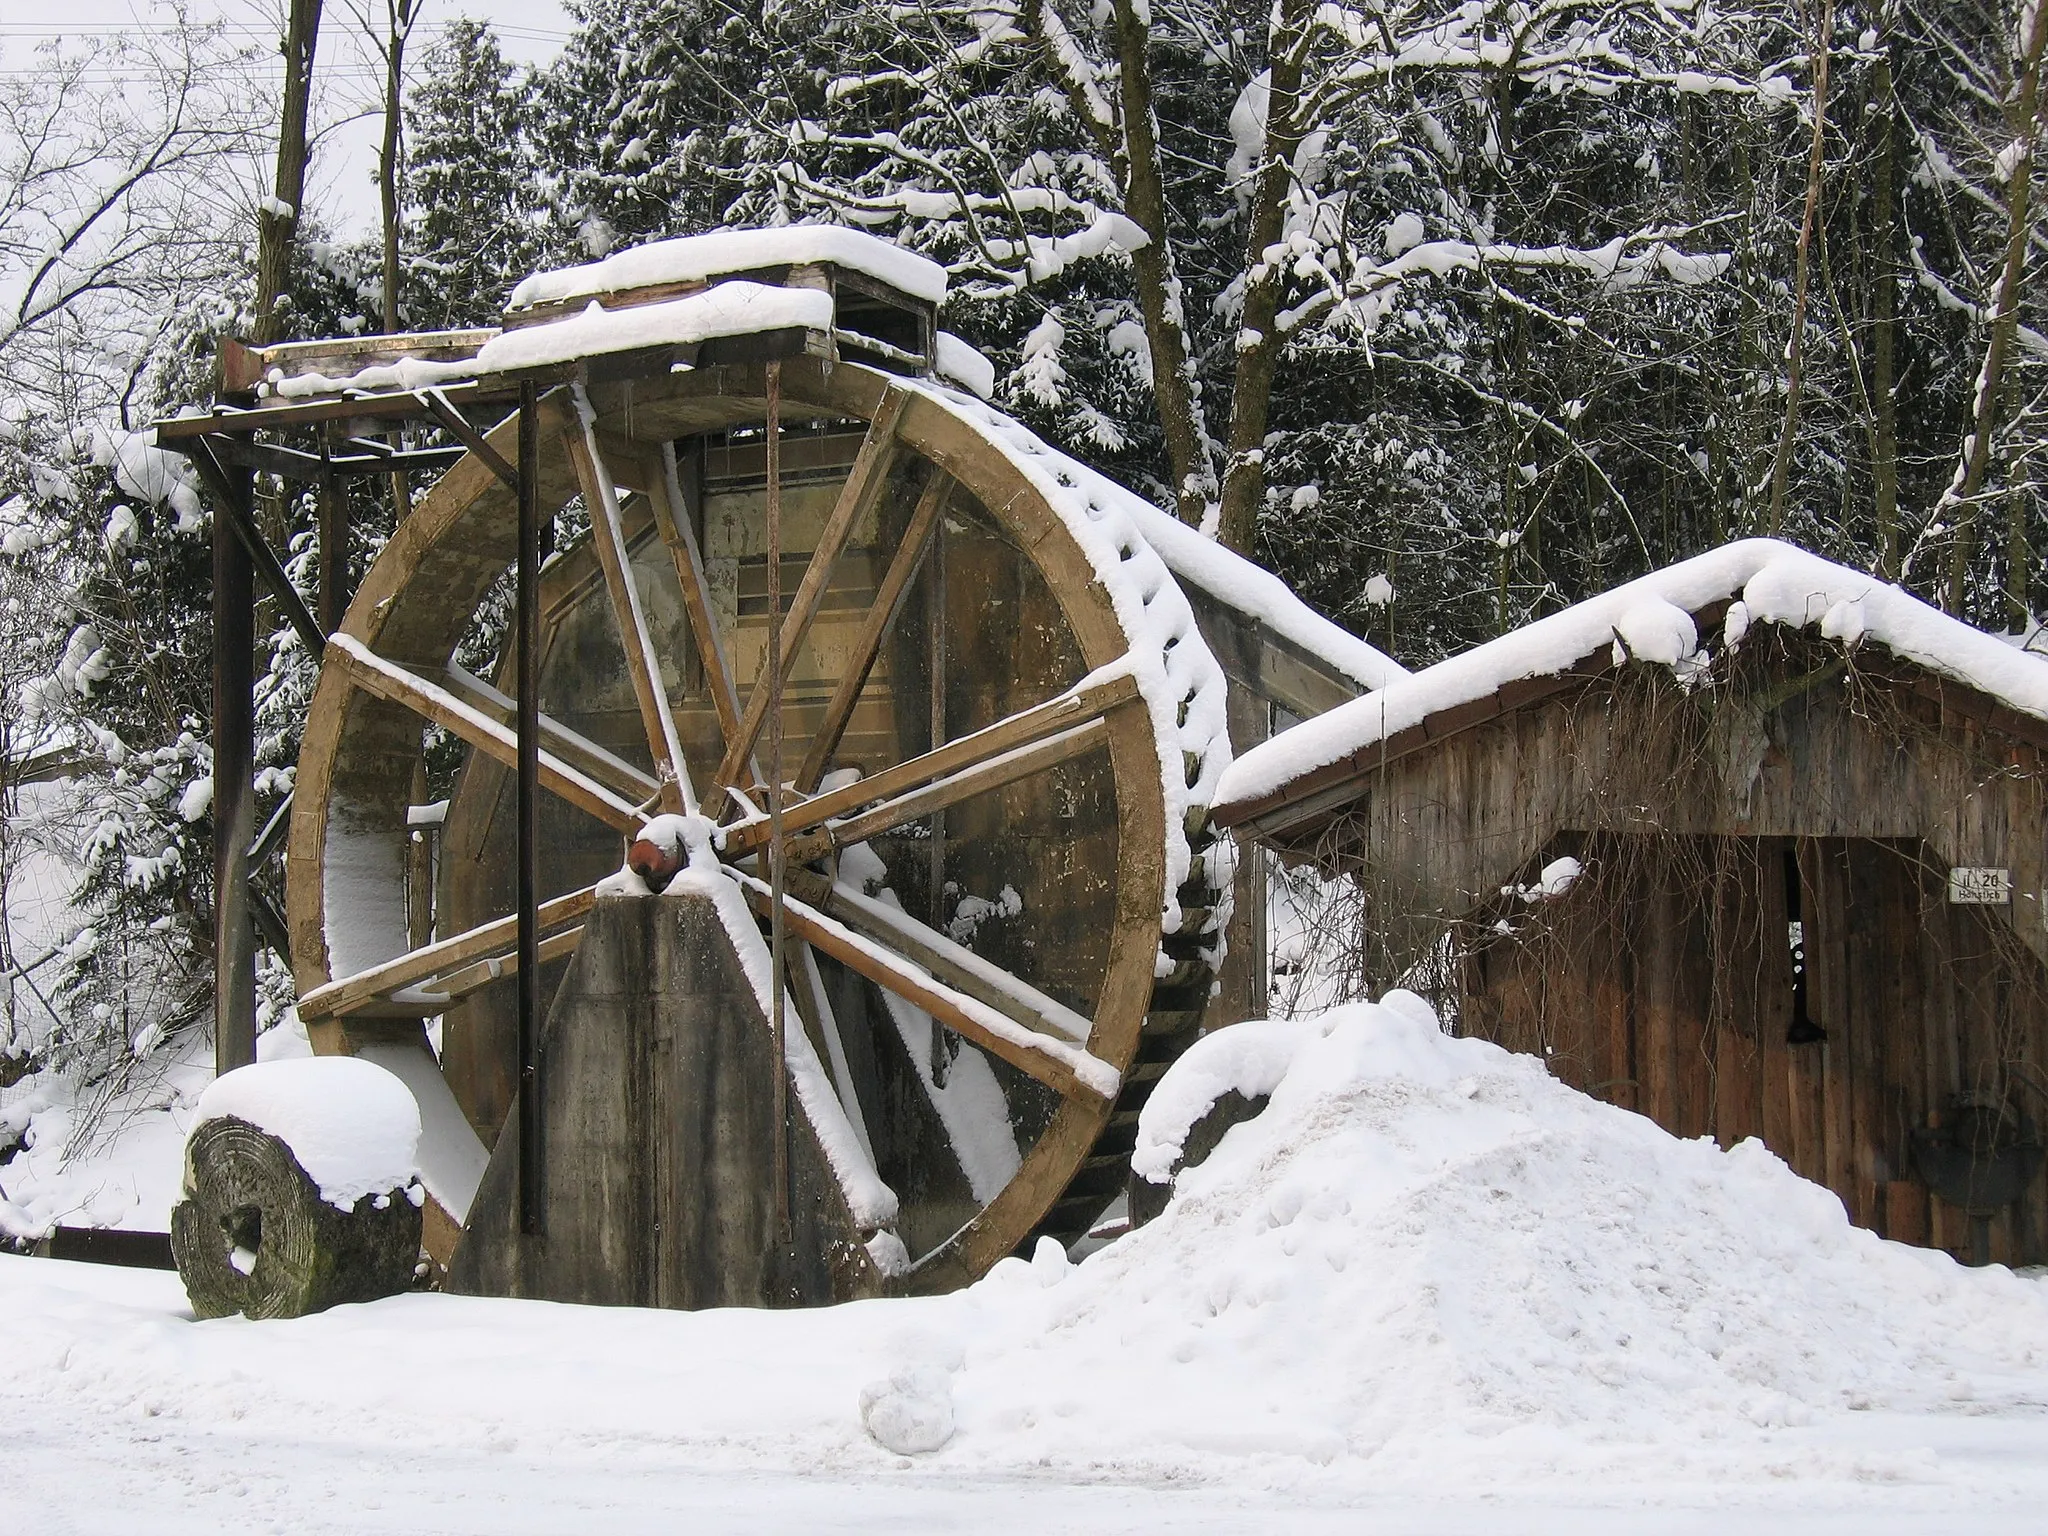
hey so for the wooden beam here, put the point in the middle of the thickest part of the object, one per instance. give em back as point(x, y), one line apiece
point(350, 994)
point(643, 666)
point(1079, 705)
point(678, 530)
point(981, 779)
point(297, 464)
point(1066, 1069)
point(573, 748)
point(388, 680)
point(457, 426)
point(864, 483)
point(881, 617)
point(953, 963)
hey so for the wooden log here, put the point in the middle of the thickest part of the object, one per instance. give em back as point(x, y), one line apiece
point(253, 1235)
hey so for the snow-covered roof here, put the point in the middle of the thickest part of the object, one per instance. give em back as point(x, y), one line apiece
point(1651, 619)
point(699, 258)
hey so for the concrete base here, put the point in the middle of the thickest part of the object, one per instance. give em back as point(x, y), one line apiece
point(657, 1187)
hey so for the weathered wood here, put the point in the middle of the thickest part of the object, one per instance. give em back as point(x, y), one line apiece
point(863, 484)
point(654, 1186)
point(981, 779)
point(673, 518)
point(643, 666)
point(445, 958)
point(433, 703)
point(1047, 1059)
point(895, 585)
point(954, 964)
point(1070, 712)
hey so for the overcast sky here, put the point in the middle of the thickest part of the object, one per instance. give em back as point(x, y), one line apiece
point(340, 185)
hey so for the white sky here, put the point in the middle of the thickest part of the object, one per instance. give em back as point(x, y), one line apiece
point(349, 76)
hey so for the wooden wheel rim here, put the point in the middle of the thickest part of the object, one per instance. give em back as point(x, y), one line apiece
point(417, 599)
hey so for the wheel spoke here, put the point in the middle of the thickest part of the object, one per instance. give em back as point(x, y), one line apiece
point(881, 617)
point(951, 962)
point(864, 483)
point(572, 747)
point(388, 680)
point(608, 534)
point(351, 994)
point(1073, 710)
point(1065, 1068)
point(983, 778)
point(679, 532)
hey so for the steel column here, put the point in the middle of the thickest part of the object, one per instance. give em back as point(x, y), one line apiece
point(528, 810)
point(234, 777)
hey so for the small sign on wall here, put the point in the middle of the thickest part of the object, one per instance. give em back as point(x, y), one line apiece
point(1972, 887)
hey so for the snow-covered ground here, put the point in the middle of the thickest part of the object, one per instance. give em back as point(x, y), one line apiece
point(1429, 1290)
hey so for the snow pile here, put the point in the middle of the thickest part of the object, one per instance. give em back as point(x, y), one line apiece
point(1429, 1254)
point(353, 1126)
point(699, 258)
point(1651, 619)
point(1427, 1271)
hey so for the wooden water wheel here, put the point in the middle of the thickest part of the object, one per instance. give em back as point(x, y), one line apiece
point(984, 733)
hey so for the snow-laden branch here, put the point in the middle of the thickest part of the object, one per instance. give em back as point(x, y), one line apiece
point(1620, 263)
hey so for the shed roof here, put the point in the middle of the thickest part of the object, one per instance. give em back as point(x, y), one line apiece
point(1651, 619)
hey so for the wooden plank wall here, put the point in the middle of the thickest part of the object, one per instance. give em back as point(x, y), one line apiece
point(1636, 989)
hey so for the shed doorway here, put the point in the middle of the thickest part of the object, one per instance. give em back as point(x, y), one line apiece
point(1824, 994)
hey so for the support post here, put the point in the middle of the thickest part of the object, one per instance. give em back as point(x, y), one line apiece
point(333, 594)
point(776, 847)
point(528, 810)
point(234, 780)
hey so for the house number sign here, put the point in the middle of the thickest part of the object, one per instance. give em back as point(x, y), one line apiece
point(1979, 887)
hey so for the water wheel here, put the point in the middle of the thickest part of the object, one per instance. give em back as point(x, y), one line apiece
point(1000, 894)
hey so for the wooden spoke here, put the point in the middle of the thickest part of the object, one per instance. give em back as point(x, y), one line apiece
point(608, 535)
point(864, 483)
point(678, 529)
point(1063, 1067)
point(1076, 708)
point(388, 680)
point(478, 974)
point(982, 778)
point(350, 994)
point(813, 984)
point(951, 962)
point(572, 747)
point(881, 617)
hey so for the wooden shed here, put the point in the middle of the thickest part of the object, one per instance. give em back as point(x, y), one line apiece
point(1753, 845)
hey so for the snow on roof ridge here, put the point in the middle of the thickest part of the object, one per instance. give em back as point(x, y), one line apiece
point(693, 258)
point(1768, 579)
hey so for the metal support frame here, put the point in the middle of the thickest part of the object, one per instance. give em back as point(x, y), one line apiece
point(528, 811)
point(234, 774)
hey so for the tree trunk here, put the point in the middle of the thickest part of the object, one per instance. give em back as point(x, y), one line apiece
point(1795, 348)
point(2004, 316)
point(1258, 346)
point(278, 222)
point(1884, 291)
point(1181, 419)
